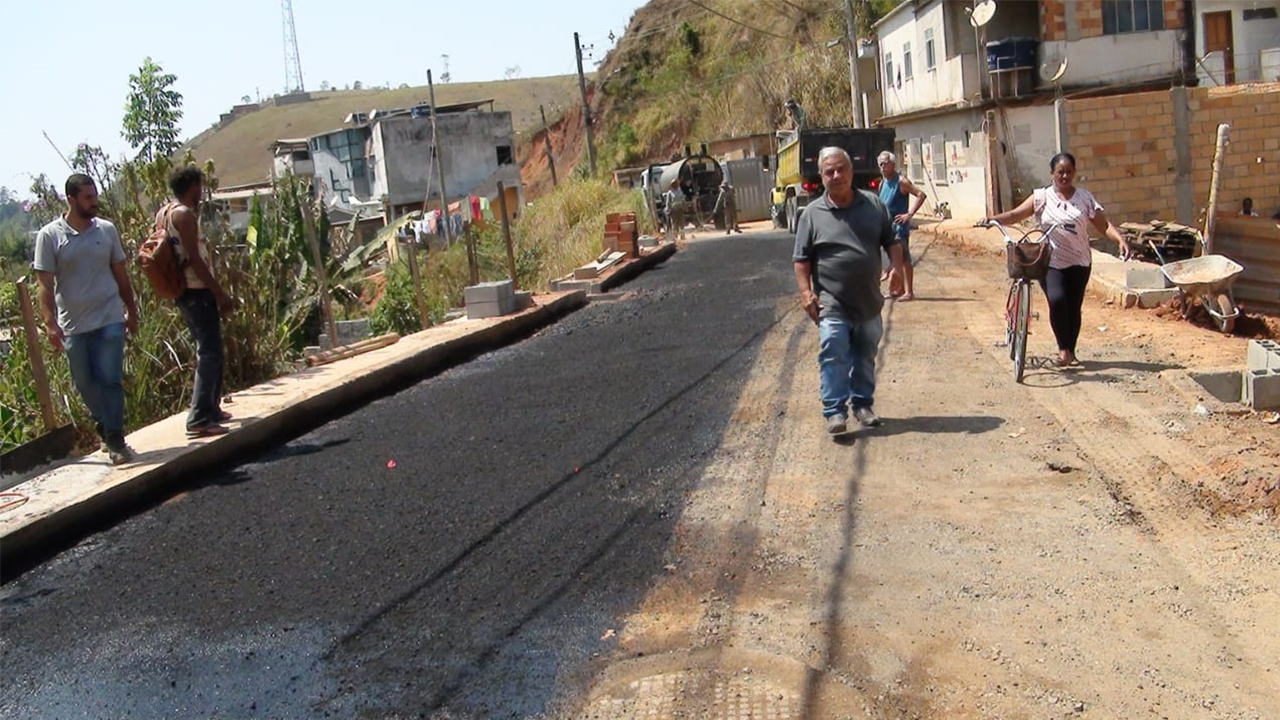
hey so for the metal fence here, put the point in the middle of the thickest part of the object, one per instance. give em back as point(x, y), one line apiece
point(1255, 244)
point(752, 182)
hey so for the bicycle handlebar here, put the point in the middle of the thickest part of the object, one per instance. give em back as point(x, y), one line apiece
point(990, 223)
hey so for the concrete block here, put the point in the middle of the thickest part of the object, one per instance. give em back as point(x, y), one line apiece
point(476, 311)
point(567, 284)
point(1145, 277)
point(352, 331)
point(1262, 389)
point(1263, 355)
point(490, 292)
point(647, 241)
point(524, 300)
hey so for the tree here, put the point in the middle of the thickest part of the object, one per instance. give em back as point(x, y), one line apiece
point(152, 112)
point(512, 72)
point(245, 99)
point(357, 85)
point(324, 85)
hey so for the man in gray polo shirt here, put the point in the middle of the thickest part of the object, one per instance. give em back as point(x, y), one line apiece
point(837, 263)
point(88, 306)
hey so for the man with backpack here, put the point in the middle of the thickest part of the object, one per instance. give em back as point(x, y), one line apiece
point(88, 307)
point(202, 303)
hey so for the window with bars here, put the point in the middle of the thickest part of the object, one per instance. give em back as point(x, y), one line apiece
point(906, 61)
point(930, 53)
point(915, 160)
point(888, 70)
point(1125, 16)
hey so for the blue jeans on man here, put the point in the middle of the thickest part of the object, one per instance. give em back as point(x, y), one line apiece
point(200, 311)
point(97, 369)
point(847, 362)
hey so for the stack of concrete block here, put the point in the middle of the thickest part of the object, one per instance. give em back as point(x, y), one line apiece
point(1262, 377)
point(491, 299)
point(620, 234)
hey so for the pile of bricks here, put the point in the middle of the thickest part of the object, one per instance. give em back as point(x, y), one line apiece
point(620, 234)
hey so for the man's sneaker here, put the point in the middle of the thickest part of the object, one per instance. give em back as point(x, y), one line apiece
point(118, 452)
point(120, 455)
point(837, 424)
point(867, 417)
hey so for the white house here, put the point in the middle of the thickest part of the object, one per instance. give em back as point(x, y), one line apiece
point(951, 90)
point(1237, 41)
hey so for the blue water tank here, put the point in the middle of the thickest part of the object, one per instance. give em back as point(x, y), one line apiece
point(1011, 52)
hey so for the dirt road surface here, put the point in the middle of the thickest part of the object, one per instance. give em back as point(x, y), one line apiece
point(644, 518)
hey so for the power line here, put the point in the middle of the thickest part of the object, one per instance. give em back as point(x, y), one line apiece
point(738, 22)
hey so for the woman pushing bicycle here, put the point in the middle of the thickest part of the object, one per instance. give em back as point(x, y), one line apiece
point(1072, 209)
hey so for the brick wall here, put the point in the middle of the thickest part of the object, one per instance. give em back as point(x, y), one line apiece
point(1053, 20)
point(1125, 147)
point(1088, 18)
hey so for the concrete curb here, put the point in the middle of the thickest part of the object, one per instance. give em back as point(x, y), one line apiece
point(47, 531)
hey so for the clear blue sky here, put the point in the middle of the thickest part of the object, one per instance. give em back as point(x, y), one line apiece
point(65, 65)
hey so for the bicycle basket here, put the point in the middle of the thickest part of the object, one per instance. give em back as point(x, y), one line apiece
point(1029, 260)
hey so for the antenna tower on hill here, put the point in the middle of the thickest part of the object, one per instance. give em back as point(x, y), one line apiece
point(292, 63)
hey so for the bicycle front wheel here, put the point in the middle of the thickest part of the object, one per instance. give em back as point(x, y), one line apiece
point(1021, 325)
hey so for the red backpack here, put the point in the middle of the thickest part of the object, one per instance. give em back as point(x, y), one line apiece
point(160, 260)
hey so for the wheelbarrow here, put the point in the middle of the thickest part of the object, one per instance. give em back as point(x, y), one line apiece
point(1209, 278)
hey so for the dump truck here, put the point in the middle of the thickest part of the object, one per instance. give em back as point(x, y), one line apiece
point(797, 179)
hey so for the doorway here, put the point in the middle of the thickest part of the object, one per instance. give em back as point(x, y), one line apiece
point(1218, 38)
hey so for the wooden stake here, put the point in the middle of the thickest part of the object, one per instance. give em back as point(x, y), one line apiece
point(546, 144)
point(416, 275)
point(506, 235)
point(326, 312)
point(1211, 213)
point(473, 262)
point(36, 357)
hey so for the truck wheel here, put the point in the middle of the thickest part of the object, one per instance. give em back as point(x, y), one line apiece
point(776, 214)
point(791, 215)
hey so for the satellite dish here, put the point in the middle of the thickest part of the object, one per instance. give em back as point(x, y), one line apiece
point(1053, 68)
point(982, 12)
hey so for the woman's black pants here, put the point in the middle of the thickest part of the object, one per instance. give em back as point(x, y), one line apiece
point(1065, 289)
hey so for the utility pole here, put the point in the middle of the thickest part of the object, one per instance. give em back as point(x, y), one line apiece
point(586, 108)
point(546, 139)
point(855, 87)
point(435, 148)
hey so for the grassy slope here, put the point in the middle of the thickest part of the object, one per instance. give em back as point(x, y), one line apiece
point(665, 85)
point(240, 149)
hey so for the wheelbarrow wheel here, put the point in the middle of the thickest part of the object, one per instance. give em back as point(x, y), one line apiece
point(1226, 308)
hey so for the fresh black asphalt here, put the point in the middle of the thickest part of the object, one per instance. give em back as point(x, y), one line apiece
point(456, 550)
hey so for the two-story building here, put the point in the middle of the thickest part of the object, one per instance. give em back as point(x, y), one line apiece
point(974, 107)
point(394, 155)
point(1238, 41)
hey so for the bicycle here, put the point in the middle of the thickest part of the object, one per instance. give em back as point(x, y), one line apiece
point(1022, 271)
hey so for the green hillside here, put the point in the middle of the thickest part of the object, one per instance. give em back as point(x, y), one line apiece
point(689, 72)
point(240, 148)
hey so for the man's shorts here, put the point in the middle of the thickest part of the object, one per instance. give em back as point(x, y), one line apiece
point(903, 233)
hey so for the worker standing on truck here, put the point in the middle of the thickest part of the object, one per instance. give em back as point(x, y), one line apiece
point(894, 191)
